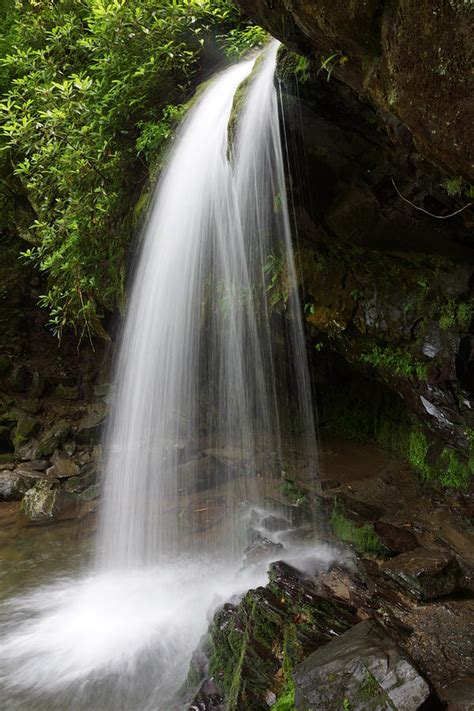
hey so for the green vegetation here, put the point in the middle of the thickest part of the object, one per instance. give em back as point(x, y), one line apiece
point(91, 91)
point(293, 492)
point(330, 63)
point(275, 271)
point(396, 361)
point(454, 314)
point(363, 537)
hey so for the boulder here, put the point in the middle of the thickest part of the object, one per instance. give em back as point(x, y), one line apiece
point(89, 427)
point(395, 539)
point(63, 469)
point(425, 573)
point(260, 549)
point(362, 670)
point(26, 428)
point(46, 501)
point(68, 392)
point(52, 439)
point(9, 486)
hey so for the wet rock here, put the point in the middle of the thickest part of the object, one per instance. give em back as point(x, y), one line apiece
point(395, 539)
point(208, 698)
point(31, 405)
point(67, 392)
point(10, 486)
point(37, 387)
point(275, 523)
point(45, 501)
point(247, 639)
point(62, 469)
point(425, 573)
point(18, 379)
point(89, 427)
point(460, 695)
point(25, 429)
point(359, 512)
point(362, 670)
point(92, 492)
point(52, 439)
point(205, 473)
point(78, 484)
point(36, 465)
point(260, 549)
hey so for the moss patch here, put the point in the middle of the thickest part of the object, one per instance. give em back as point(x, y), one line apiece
point(363, 537)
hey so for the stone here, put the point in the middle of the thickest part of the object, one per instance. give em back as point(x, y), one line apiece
point(36, 465)
point(26, 428)
point(45, 501)
point(31, 405)
point(362, 670)
point(67, 392)
point(18, 379)
point(395, 539)
point(260, 549)
point(425, 573)
point(52, 439)
point(460, 695)
point(89, 428)
point(14, 484)
point(37, 387)
point(91, 493)
point(10, 486)
point(62, 469)
point(79, 484)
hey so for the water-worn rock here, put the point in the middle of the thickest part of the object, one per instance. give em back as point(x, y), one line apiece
point(26, 428)
point(247, 641)
point(89, 427)
point(62, 469)
point(377, 49)
point(362, 670)
point(46, 501)
point(395, 539)
point(52, 439)
point(14, 484)
point(425, 573)
point(261, 548)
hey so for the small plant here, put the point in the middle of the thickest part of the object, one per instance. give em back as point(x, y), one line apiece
point(331, 62)
point(453, 186)
point(238, 42)
point(395, 360)
point(275, 271)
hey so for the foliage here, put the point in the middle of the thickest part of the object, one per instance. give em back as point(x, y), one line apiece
point(454, 314)
point(95, 89)
point(241, 40)
point(395, 360)
point(363, 537)
point(275, 271)
point(331, 62)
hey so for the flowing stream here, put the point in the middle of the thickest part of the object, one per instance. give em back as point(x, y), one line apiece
point(211, 372)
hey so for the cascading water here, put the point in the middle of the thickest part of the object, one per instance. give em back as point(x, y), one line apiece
point(207, 375)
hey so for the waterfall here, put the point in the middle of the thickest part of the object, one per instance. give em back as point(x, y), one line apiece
point(211, 371)
point(201, 352)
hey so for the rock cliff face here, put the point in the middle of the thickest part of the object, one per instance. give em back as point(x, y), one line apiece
point(376, 102)
point(412, 60)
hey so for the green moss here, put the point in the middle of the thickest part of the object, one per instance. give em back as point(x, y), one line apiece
point(418, 449)
point(396, 361)
point(453, 315)
point(293, 492)
point(363, 537)
point(452, 472)
point(292, 66)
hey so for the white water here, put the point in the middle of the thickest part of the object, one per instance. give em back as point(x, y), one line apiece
point(202, 360)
